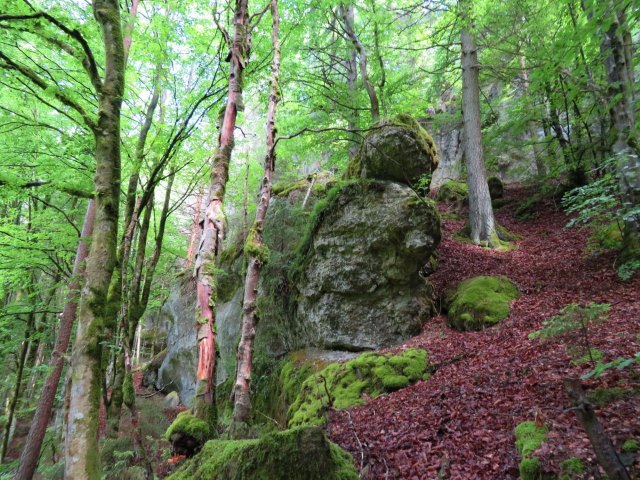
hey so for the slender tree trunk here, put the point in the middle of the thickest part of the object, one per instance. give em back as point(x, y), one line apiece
point(31, 451)
point(481, 220)
point(624, 144)
point(541, 169)
point(605, 453)
point(214, 221)
point(15, 397)
point(349, 28)
point(81, 443)
point(256, 256)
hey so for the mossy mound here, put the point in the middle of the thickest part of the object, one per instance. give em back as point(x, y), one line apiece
point(342, 385)
point(296, 454)
point(188, 433)
point(453, 193)
point(397, 149)
point(530, 437)
point(480, 302)
point(496, 188)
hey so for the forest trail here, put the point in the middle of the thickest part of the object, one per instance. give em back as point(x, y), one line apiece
point(459, 424)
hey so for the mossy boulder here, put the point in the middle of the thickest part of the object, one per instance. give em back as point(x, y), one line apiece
point(453, 193)
point(188, 433)
point(343, 385)
point(398, 149)
point(480, 302)
point(359, 266)
point(496, 188)
point(296, 454)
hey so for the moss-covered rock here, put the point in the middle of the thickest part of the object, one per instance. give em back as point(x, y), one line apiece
point(571, 468)
point(398, 149)
point(188, 433)
point(480, 302)
point(453, 193)
point(342, 385)
point(529, 438)
point(496, 188)
point(296, 454)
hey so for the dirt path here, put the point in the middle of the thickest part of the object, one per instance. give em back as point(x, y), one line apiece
point(459, 424)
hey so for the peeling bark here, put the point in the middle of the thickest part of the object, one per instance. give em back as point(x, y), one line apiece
point(256, 252)
point(214, 220)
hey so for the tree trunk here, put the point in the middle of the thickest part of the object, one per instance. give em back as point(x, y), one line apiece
point(481, 220)
point(256, 252)
point(81, 443)
point(541, 169)
point(624, 145)
point(42, 415)
point(349, 28)
point(605, 453)
point(214, 221)
point(195, 230)
point(15, 397)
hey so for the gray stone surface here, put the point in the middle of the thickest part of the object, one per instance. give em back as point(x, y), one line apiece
point(360, 288)
point(178, 370)
point(228, 320)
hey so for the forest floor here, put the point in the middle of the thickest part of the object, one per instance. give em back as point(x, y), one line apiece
point(459, 424)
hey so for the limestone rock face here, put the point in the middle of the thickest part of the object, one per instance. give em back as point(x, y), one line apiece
point(399, 150)
point(178, 369)
point(360, 287)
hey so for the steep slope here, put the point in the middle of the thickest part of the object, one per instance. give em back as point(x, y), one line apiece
point(460, 423)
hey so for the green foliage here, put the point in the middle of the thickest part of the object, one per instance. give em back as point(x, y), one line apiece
point(296, 454)
point(480, 302)
point(619, 364)
point(342, 385)
point(575, 318)
point(571, 468)
point(631, 445)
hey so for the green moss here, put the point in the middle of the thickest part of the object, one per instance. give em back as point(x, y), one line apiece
point(530, 469)
point(189, 425)
point(296, 454)
point(593, 355)
point(128, 393)
point(529, 437)
point(480, 302)
point(571, 468)
point(342, 385)
point(253, 246)
point(283, 189)
point(453, 192)
point(631, 446)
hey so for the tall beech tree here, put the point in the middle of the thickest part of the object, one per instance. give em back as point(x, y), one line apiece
point(481, 221)
point(255, 249)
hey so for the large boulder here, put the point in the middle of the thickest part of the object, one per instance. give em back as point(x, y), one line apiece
point(359, 279)
point(178, 369)
point(399, 150)
point(296, 454)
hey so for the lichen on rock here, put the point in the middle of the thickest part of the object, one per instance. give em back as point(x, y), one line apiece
point(480, 302)
point(296, 454)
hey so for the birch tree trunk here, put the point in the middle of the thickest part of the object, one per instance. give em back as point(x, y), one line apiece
point(255, 248)
point(81, 442)
point(214, 220)
point(481, 220)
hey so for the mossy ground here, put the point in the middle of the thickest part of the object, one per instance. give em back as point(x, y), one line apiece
point(453, 192)
point(480, 302)
point(296, 454)
point(530, 437)
point(342, 385)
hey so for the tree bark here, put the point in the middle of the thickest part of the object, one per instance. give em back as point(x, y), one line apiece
point(541, 169)
point(605, 453)
point(42, 415)
point(349, 28)
point(81, 442)
point(481, 220)
point(621, 100)
point(214, 220)
point(256, 252)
